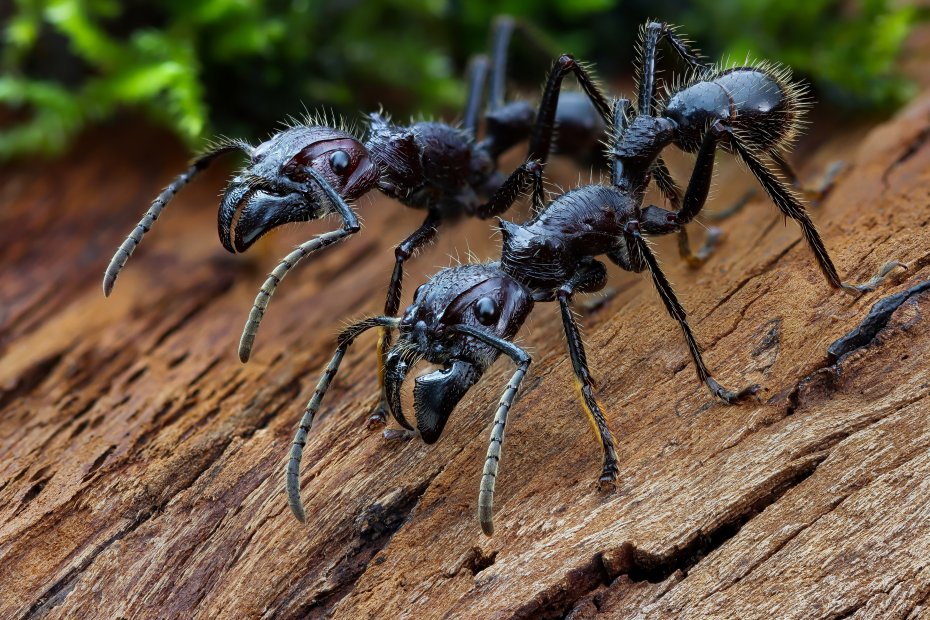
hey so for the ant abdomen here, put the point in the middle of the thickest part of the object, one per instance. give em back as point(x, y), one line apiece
point(760, 103)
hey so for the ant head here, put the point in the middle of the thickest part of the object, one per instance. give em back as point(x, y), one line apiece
point(481, 297)
point(275, 187)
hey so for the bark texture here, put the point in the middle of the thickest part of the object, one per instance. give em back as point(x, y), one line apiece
point(141, 465)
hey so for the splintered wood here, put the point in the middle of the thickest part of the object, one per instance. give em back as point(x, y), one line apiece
point(141, 464)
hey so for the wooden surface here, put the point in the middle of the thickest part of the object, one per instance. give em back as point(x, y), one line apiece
point(141, 464)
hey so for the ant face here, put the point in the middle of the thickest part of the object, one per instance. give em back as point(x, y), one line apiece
point(275, 188)
point(478, 296)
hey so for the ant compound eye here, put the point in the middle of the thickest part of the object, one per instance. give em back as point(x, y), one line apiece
point(339, 161)
point(486, 311)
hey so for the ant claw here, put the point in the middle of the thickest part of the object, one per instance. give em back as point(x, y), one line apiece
point(377, 419)
point(607, 482)
point(731, 397)
point(872, 283)
point(392, 434)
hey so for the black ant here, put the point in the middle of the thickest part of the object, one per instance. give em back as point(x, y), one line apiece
point(465, 317)
point(311, 170)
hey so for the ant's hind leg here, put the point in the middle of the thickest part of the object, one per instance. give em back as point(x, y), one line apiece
point(677, 311)
point(420, 237)
point(788, 203)
point(813, 195)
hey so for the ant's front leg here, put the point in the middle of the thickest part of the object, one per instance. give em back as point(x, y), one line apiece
point(544, 128)
point(672, 193)
point(677, 312)
point(590, 278)
point(528, 174)
point(420, 237)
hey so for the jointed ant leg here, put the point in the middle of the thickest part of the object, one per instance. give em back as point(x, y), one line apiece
point(528, 174)
point(477, 77)
point(619, 122)
point(733, 209)
point(350, 226)
point(420, 237)
point(128, 246)
point(345, 340)
point(585, 384)
point(500, 44)
point(814, 195)
point(788, 203)
point(695, 196)
point(653, 32)
point(544, 128)
point(677, 312)
point(492, 460)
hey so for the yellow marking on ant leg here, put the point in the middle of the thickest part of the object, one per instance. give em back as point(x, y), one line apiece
point(591, 418)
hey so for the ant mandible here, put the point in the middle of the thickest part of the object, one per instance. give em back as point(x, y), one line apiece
point(465, 317)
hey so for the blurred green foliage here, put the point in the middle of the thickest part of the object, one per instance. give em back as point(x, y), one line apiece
point(238, 66)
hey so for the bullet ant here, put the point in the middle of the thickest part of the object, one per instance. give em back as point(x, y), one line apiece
point(465, 317)
point(311, 170)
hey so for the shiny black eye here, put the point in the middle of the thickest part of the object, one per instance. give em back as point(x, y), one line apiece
point(486, 311)
point(339, 161)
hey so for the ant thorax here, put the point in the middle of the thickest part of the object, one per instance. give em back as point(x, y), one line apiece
point(586, 222)
point(431, 165)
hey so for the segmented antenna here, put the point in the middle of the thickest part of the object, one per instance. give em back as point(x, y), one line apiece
point(346, 337)
point(148, 220)
point(350, 226)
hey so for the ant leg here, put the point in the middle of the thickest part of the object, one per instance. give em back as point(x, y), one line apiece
point(672, 193)
point(651, 34)
point(128, 246)
point(688, 207)
point(506, 124)
point(503, 28)
point(788, 203)
point(345, 339)
point(489, 477)
point(733, 209)
point(420, 237)
point(477, 78)
point(814, 195)
point(526, 175)
point(677, 312)
point(585, 384)
point(544, 128)
point(350, 226)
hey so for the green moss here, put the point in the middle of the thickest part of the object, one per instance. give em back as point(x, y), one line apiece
point(238, 66)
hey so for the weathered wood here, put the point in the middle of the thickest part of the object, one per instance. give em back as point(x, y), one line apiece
point(141, 465)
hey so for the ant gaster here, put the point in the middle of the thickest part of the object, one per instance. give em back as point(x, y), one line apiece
point(311, 170)
point(465, 317)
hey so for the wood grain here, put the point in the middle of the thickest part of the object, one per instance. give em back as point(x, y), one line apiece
point(141, 465)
